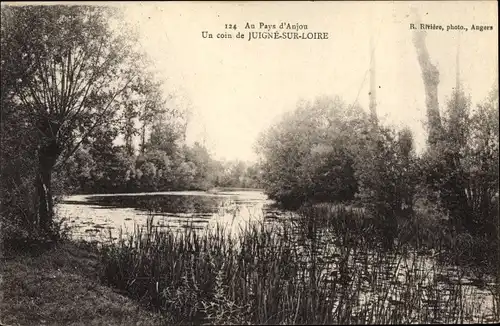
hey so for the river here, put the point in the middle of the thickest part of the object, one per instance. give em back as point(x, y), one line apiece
point(97, 217)
point(92, 217)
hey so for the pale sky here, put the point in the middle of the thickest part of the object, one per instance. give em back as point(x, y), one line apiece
point(236, 88)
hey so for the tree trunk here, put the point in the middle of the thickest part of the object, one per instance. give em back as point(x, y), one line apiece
point(143, 138)
point(47, 157)
point(45, 203)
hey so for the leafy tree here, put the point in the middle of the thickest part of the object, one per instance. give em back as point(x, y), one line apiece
point(385, 172)
point(163, 138)
point(78, 171)
point(164, 165)
point(327, 151)
point(254, 176)
point(148, 178)
point(463, 168)
point(129, 129)
point(17, 140)
point(71, 71)
point(152, 107)
point(308, 154)
point(200, 157)
point(330, 174)
point(185, 174)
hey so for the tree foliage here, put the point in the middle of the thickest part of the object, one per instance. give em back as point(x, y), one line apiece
point(463, 168)
point(327, 151)
point(308, 155)
point(68, 75)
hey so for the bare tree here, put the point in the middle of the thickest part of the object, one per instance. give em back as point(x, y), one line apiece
point(430, 76)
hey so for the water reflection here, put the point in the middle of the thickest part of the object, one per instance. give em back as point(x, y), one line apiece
point(95, 216)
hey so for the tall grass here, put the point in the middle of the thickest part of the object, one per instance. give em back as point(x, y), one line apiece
point(287, 273)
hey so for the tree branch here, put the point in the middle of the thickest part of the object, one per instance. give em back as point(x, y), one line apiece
point(96, 123)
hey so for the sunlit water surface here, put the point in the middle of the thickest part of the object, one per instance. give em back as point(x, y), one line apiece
point(97, 216)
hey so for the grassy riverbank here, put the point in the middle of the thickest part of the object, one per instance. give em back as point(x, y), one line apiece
point(60, 286)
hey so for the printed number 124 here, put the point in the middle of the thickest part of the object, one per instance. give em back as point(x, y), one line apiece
point(230, 26)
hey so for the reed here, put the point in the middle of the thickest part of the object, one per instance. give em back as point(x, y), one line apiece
point(293, 272)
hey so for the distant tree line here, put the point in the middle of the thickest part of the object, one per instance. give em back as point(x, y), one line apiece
point(101, 167)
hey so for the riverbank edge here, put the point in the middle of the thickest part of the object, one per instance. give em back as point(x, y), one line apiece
point(60, 286)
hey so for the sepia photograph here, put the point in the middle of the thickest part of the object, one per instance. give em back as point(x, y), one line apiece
point(249, 163)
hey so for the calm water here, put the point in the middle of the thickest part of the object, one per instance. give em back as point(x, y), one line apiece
point(95, 217)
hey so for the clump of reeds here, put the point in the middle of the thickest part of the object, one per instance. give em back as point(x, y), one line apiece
point(321, 268)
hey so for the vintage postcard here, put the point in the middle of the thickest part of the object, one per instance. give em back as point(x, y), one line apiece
point(249, 162)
